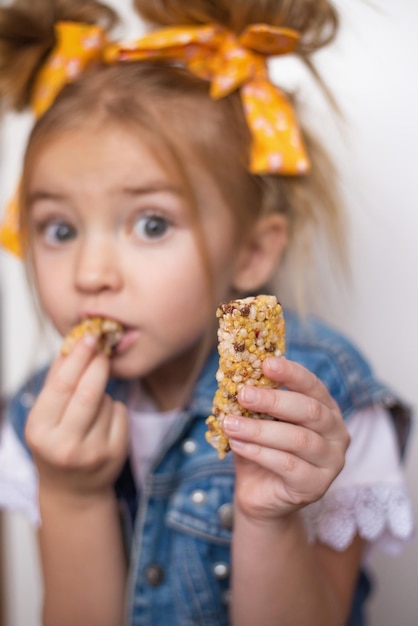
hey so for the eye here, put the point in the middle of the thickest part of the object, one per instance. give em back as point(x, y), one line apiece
point(151, 226)
point(58, 232)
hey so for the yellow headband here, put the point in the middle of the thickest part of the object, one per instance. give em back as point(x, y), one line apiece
point(211, 52)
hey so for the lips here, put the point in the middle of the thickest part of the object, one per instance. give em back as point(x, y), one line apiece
point(130, 335)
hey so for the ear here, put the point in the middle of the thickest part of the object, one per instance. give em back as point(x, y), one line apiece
point(261, 253)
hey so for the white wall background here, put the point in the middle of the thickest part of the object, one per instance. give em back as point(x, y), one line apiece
point(373, 71)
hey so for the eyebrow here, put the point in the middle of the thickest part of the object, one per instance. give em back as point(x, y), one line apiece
point(157, 187)
point(36, 196)
point(148, 189)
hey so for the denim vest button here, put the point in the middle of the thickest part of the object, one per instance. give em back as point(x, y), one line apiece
point(221, 570)
point(226, 597)
point(27, 399)
point(189, 446)
point(226, 515)
point(198, 496)
point(154, 574)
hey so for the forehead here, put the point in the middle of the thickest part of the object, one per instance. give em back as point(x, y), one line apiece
point(100, 160)
point(107, 149)
point(164, 138)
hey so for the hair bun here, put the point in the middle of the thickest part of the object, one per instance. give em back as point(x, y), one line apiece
point(315, 20)
point(27, 35)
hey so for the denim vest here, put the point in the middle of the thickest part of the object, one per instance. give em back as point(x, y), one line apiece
point(178, 530)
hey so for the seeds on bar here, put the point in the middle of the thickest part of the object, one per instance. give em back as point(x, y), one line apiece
point(250, 329)
point(107, 331)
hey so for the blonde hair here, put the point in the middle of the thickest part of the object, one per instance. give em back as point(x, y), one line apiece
point(150, 93)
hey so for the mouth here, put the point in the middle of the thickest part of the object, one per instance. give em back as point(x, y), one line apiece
point(128, 338)
point(111, 333)
point(107, 332)
point(114, 336)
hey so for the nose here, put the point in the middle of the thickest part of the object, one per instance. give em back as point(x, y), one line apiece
point(97, 266)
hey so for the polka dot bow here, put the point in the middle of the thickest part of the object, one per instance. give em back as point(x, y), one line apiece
point(211, 52)
point(233, 62)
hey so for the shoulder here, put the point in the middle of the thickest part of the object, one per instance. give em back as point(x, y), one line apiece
point(311, 335)
point(338, 362)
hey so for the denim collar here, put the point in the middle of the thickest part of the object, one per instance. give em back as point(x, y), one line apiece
point(205, 388)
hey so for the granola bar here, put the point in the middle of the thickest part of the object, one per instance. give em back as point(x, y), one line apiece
point(250, 330)
point(107, 331)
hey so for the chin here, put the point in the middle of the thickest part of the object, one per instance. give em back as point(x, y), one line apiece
point(124, 370)
point(122, 366)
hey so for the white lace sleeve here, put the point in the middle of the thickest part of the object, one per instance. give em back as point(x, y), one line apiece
point(18, 479)
point(369, 497)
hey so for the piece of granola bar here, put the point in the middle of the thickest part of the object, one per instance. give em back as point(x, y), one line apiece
point(107, 331)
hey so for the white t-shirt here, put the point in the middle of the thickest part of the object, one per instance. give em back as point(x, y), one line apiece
point(368, 497)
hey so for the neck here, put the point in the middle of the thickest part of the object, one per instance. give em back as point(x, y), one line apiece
point(171, 386)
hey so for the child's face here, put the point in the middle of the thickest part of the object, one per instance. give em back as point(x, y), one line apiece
point(113, 236)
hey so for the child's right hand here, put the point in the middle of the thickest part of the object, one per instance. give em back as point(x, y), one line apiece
point(78, 435)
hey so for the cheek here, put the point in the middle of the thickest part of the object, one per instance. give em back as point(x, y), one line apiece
point(50, 286)
point(223, 267)
point(184, 294)
point(177, 292)
point(222, 249)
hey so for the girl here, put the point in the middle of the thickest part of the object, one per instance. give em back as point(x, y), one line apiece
point(162, 177)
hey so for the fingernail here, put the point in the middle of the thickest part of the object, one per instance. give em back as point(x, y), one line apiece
point(249, 394)
point(233, 424)
point(275, 364)
point(90, 340)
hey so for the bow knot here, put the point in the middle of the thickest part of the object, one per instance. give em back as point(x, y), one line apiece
point(232, 62)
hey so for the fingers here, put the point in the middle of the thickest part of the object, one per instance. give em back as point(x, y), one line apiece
point(308, 428)
point(108, 436)
point(78, 435)
point(72, 399)
point(295, 377)
point(297, 455)
point(289, 406)
point(305, 401)
point(296, 441)
point(296, 481)
point(118, 433)
point(62, 381)
point(111, 423)
point(304, 463)
point(88, 402)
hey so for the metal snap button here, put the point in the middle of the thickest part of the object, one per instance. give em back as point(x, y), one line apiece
point(27, 399)
point(154, 574)
point(221, 570)
point(226, 515)
point(199, 496)
point(189, 446)
point(226, 597)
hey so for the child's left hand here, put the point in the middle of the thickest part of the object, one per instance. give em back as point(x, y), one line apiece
point(283, 465)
